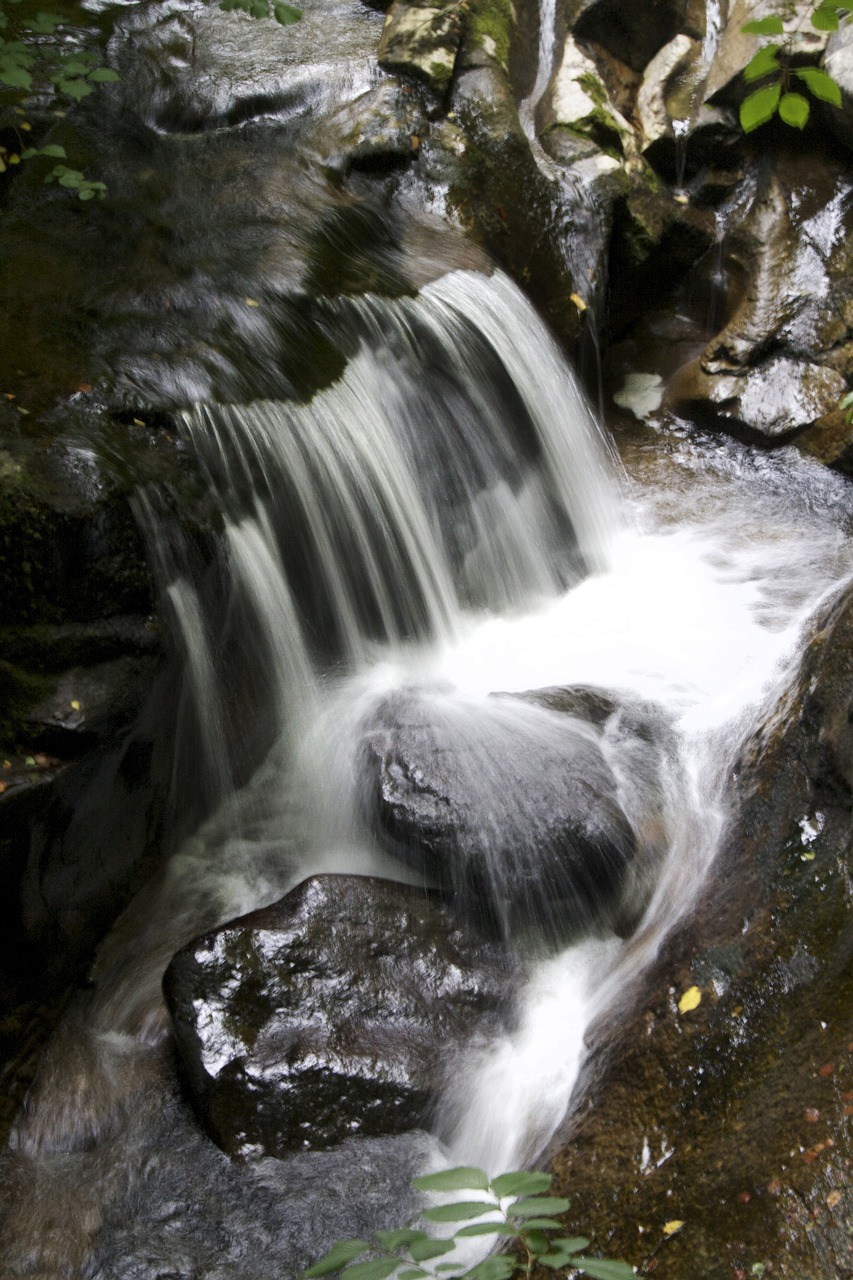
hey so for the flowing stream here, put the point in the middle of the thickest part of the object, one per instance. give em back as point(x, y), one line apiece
point(445, 518)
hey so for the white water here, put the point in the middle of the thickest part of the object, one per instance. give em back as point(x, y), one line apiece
point(695, 599)
point(696, 607)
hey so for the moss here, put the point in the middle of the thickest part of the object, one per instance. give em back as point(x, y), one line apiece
point(490, 25)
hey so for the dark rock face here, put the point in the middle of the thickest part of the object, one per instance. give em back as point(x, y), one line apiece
point(509, 805)
point(336, 1012)
point(741, 1104)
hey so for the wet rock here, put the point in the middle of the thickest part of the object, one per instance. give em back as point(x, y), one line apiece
point(382, 126)
point(337, 1012)
point(780, 362)
point(511, 807)
point(779, 397)
point(196, 68)
point(732, 1117)
point(633, 32)
point(421, 40)
point(578, 102)
point(665, 94)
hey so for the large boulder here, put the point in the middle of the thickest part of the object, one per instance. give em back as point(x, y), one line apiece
point(513, 806)
point(714, 1138)
point(339, 1011)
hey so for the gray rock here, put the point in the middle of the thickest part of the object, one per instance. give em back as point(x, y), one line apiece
point(665, 94)
point(185, 67)
point(423, 41)
point(337, 1012)
point(510, 806)
point(633, 32)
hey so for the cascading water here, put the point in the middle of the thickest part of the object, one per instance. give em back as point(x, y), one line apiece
point(441, 524)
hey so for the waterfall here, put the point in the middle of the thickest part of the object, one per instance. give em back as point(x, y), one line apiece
point(442, 523)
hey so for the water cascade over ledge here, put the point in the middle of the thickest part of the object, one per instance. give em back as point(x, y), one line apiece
point(433, 580)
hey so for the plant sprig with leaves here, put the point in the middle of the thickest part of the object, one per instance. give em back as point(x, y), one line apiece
point(520, 1211)
point(778, 91)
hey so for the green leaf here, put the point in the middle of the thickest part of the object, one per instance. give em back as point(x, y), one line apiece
point(53, 149)
point(759, 107)
point(71, 178)
point(794, 109)
point(537, 1242)
point(543, 1224)
point(820, 85)
point(846, 402)
point(521, 1184)
point(44, 24)
point(825, 18)
point(462, 1178)
point(769, 26)
point(537, 1206)
point(499, 1268)
point(373, 1269)
point(286, 13)
point(487, 1229)
point(399, 1239)
point(86, 193)
point(457, 1212)
point(103, 75)
point(29, 152)
point(338, 1256)
point(446, 1267)
point(76, 89)
point(604, 1269)
point(14, 77)
point(423, 1250)
point(570, 1244)
point(412, 1273)
point(762, 64)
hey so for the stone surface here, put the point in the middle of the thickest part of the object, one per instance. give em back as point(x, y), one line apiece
point(665, 89)
point(577, 100)
point(339, 1011)
point(421, 40)
point(513, 807)
point(633, 32)
point(733, 1118)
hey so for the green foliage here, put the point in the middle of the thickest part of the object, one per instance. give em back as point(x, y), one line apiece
point(776, 95)
point(846, 403)
point(518, 1208)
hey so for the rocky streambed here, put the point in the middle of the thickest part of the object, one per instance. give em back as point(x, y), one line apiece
point(259, 182)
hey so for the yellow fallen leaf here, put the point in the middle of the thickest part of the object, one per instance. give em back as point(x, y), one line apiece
point(75, 705)
point(681, 198)
point(250, 302)
point(670, 1228)
point(14, 158)
point(137, 422)
point(691, 998)
point(833, 1199)
point(578, 301)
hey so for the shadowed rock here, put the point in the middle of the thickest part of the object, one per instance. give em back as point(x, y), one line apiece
point(337, 1012)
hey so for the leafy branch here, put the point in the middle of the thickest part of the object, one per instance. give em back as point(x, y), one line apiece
point(778, 92)
point(520, 1211)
